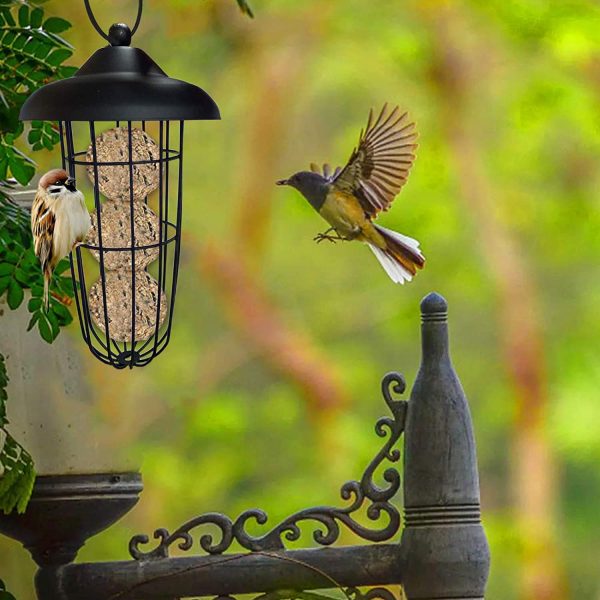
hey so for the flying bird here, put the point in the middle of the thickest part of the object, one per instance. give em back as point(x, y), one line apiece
point(59, 221)
point(349, 199)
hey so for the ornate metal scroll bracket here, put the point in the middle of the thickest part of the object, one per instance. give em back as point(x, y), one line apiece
point(377, 593)
point(360, 494)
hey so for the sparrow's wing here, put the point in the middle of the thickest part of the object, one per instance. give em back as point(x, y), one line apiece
point(326, 172)
point(379, 166)
point(43, 221)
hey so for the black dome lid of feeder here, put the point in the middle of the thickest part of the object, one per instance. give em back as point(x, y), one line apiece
point(119, 83)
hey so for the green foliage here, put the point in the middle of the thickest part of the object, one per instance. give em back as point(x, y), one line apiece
point(32, 54)
point(20, 271)
point(4, 593)
point(17, 473)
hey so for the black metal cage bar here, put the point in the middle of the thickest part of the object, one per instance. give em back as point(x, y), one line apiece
point(107, 347)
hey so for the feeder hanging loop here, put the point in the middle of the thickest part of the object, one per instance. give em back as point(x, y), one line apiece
point(107, 37)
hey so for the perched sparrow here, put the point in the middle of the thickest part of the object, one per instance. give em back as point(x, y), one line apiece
point(350, 198)
point(59, 221)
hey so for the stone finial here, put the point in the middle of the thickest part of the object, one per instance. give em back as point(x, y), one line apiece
point(444, 548)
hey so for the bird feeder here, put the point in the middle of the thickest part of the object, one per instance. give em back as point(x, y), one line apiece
point(121, 120)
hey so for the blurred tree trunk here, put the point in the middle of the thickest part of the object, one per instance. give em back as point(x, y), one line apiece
point(233, 272)
point(257, 319)
point(456, 73)
point(272, 89)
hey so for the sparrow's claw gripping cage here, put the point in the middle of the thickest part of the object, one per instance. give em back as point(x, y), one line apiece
point(121, 122)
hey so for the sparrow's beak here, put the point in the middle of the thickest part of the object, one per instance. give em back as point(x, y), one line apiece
point(282, 182)
point(70, 184)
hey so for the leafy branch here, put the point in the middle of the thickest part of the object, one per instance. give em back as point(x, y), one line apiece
point(20, 271)
point(17, 474)
point(31, 54)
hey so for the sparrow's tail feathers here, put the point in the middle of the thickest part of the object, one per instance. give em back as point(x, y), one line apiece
point(401, 258)
point(47, 276)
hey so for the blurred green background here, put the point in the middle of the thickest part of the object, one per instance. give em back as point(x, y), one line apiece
point(269, 390)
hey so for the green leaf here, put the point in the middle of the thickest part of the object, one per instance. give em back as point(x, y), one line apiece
point(58, 56)
point(35, 135)
point(34, 319)
point(67, 71)
point(45, 329)
point(62, 266)
point(42, 50)
point(3, 169)
point(37, 15)
point(65, 285)
point(34, 304)
point(6, 268)
point(15, 295)
point(23, 16)
point(53, 320)
point(9, 18)
point(16, 483)
point(62, 313)
point(4, 595)
point(21, 171)
point(56, 25)
point(12, 258)
point(19, 43)
point(4, 283)
point(31, 45)
point(25, 487)
point(22, 277)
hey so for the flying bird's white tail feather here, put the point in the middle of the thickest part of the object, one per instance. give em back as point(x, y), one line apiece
point(46, 286)
point(396, 272)
point(401, 257)
point(402, 239)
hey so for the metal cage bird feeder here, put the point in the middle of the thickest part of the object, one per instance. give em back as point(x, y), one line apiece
point(121, 120)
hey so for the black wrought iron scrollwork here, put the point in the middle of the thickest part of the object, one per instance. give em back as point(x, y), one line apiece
point(377, 593)
point(364, 493)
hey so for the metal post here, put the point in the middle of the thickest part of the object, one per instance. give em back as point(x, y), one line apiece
point(444, 549)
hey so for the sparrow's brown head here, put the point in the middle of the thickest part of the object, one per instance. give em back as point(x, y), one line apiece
point(56, 181)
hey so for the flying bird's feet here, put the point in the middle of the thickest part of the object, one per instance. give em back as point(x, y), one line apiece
point(331, 237)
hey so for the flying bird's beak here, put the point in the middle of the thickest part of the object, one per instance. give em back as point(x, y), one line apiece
point(70, 184)
point(282, 182)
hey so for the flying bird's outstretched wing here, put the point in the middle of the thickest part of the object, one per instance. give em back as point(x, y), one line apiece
point(379, 166)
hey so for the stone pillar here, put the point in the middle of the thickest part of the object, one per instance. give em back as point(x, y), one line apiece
point(444, 549)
